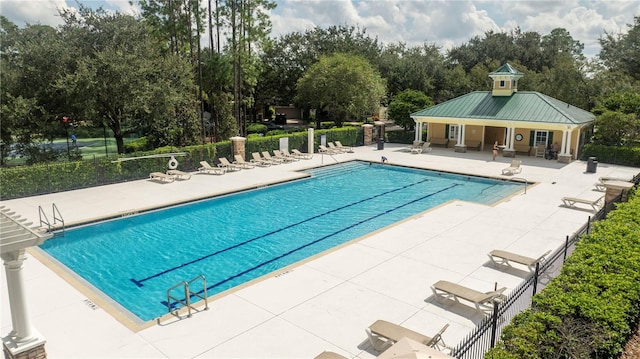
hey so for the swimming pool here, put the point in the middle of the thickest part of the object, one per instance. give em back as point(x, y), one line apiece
point(236, 238)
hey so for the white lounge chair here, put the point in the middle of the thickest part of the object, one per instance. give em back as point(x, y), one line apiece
point(301, 155)
point(333, 147)
point(426, 147)
point(383, 334)
point(327, 151)
point(267, 156)
point(162, 177)
point(329, 355)
point(242, 163)
point(286, 153)
point(483, 302)
point(500, 257)
point(228, 166)
point(514, 168)
point(572, 201)
point(259, 161)
point(279, 155)
point(344, 148)
point(177, 174)
point(205, 167)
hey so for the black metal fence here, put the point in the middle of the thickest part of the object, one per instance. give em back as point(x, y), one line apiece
point(487, 332)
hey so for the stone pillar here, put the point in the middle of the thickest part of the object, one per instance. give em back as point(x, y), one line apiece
point(368, 134)
point(23, 341)
point(237, 146)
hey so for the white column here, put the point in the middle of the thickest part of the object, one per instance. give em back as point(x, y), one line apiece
point(22, 330)
point(568, 146)
point(512, 137)
point(461, 134)
point(507, 141)
point(310, 141)
point(416, 138)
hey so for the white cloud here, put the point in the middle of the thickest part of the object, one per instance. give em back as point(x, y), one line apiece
point(446, 23)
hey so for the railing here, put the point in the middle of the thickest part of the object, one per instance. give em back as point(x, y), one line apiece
point(526, 183)
point(487, 332)
point(44, 220)
point(173, 303)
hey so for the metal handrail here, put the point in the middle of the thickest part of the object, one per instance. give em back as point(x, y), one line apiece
point(186, 302)
point(523, 179)
point(57, 216)
point(45, 221)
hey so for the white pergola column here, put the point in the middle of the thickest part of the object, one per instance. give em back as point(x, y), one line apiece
point(23, 340)
point(310, 138)
point(461, 134)
point(22, 331)
point(416, 138)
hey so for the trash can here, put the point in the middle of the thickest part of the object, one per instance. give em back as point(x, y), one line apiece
point(592, 164)
point(381, 143)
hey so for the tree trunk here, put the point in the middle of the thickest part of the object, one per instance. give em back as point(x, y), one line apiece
point(115, 126)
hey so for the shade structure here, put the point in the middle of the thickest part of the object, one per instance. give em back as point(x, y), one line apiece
point(406, 348)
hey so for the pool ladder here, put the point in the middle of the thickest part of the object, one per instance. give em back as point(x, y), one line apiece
point(57, 217)
point(186, 302)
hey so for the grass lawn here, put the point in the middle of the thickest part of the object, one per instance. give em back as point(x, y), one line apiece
point(89, 147)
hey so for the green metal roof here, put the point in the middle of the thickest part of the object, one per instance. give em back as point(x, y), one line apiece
point(525, 106)
point(506, 69)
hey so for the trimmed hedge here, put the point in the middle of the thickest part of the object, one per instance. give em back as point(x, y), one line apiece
point(624, 156)
point(23, 181)
point(591, 309)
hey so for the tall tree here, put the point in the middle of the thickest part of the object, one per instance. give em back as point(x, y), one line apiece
point(404, 104)
point(124, 79)
point(343, 85)
point(622, 51)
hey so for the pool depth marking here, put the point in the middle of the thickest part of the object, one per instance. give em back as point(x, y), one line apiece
point(139, 282)
point(164, 302)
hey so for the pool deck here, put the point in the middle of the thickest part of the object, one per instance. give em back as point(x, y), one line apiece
point(326, 302)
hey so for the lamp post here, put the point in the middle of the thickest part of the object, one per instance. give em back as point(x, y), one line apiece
point(65, 122)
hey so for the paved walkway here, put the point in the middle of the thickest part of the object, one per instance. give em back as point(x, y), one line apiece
point(326, 302)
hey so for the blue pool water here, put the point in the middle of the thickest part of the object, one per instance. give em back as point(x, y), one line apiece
point(236, 238)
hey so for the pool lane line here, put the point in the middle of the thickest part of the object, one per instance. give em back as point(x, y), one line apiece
point(321, 239)
point(139, 282)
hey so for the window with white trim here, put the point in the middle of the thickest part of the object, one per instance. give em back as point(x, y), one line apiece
point(541, 138)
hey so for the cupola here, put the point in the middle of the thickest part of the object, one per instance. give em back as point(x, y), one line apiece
point(505, 80)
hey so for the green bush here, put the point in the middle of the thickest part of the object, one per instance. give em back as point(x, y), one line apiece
point(256, 128)
point(400, 136)
point(54, 176)
point(140, 144)
point(591, 309)
point(625, 156)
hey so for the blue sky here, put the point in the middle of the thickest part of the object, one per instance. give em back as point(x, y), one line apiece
point(445, 23)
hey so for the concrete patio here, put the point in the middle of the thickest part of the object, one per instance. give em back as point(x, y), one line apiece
point(325, 302)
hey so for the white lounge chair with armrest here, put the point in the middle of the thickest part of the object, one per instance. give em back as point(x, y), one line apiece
point(383, 334)
point(267, 156)
point(279, 155)
point(332, 146)
point(426, 147)
point(327, 151)
point(572, 201)
point(513, 169)
point(302, 155)
point(344, 148)
point(499, 257)
point(177, 174)
point(285, 152)
point(228, 166)
point(205, 167)
point(482, 301)
point(242, 163)
point(601, 186)
point(257, 160)
point(163, 177)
